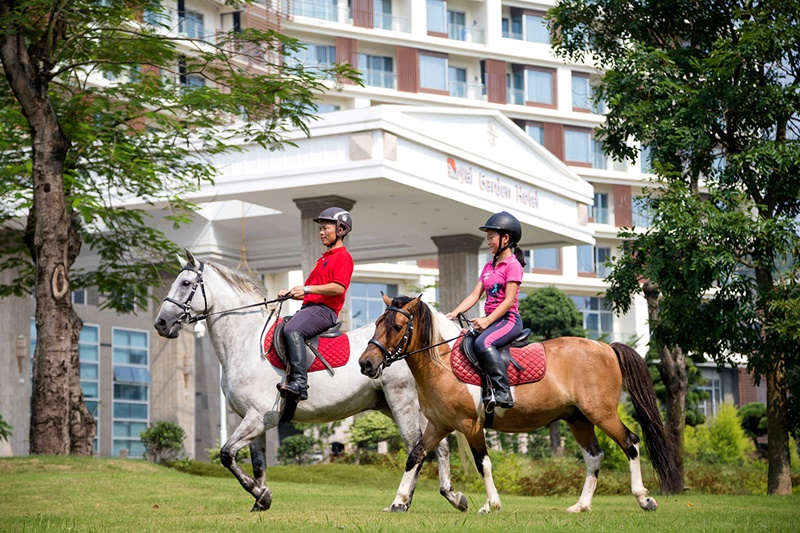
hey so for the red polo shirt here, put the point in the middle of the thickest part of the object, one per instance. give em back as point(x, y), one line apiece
point(335, 266)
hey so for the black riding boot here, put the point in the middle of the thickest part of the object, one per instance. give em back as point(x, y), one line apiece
point(296, 383)
point(495, 367)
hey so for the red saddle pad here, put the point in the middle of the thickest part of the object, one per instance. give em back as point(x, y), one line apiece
point(335, 350)
point(530, 357)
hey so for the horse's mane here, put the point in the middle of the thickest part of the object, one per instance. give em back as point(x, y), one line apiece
point(427, 324)
point(237, 279)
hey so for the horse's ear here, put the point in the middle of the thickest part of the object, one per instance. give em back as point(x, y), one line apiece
point(386, 300)
point(190, 258)
point(182, 261)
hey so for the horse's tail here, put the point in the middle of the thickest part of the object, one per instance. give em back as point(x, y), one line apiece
point(637, 380)
point(464, 453)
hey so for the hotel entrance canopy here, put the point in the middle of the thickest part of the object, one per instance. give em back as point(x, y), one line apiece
point(413, 173)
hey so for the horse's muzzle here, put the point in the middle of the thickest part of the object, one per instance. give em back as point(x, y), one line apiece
point(165, 330)
point(369, 369)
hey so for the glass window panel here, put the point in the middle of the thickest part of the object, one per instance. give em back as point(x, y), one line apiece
point(536, 132)
point(138, 410)
point(606, 320)
point(137, 449)
point(88, 370)
point(586, 258)
point(123, 373)
point(359, 290)
point(93, 407)
point(376, 309)
point(545, 258)
point(540, 86)
point(88, 352)
point(140, 375)
point(580, 92)
point(90, 389)
point(577, 146)
point(89, 334)
point(536, 29)
point(600, 211)
point(130, 392)
point(437, 15)
point(359, 312)
point(432, 72)
point(390, 290)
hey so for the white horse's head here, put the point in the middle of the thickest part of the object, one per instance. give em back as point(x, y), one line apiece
point(186, 296)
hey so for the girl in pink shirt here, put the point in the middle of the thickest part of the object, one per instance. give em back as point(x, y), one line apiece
point(500, 281)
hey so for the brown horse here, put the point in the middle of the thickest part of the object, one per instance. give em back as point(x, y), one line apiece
point(582, 385)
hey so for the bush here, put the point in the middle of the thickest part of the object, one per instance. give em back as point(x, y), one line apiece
point(213, 454)
point(723, 442)
point(163, 442)
point(5, 429)
point(296, 449)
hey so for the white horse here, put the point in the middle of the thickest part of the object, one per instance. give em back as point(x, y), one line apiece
point(234, 310)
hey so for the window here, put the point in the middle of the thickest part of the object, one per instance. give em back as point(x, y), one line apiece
point(580, 148)
point(192, 24)
point(536, 30)
point(512, 28)
point(89, 371)
point(645, 160)
point(591, 260)
point(545, 259)
point(597, 317)
point(600, 211)
point(157, 17)
point(582, 94)
point(457, 25)
point(457, 78)
point(433, 72)
point(382, 13)
point(709, 406)
point(536, 131)
point(437, 16)
point(601, 255)
point(539, 88)
point(377, 71)
point(314, 57)
point(131, 358)
point(641, 212)
point(366, 303)
point(326, 108)
point(79, 297)
point(515, 86)
point(318, 9)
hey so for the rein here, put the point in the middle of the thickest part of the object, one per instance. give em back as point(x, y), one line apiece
point(187, 317)
point(399, 353)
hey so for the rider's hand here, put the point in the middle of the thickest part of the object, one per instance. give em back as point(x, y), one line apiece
point(481, 323)
point(283, 294)
point(452, 315)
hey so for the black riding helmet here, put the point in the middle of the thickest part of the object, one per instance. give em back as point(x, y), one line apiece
point(340, 217)
point(504, 222)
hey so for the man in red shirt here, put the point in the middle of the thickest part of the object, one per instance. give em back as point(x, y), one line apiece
point(323, 296)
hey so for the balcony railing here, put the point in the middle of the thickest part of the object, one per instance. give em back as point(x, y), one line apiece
point(322, 10)
point(462, 89)
point(387, 21)
point(469, 34)
point(377, 78)
point(516, 96)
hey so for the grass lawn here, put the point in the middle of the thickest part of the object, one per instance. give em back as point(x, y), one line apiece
point(84, 494)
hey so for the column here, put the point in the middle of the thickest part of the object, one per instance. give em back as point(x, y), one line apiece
point(310, 208)
point(458, 270)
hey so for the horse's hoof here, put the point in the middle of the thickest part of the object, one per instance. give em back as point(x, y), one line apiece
point(397, 508)
point(463, 505)
point(577, 508)
point(651, 505)
point(263, 502)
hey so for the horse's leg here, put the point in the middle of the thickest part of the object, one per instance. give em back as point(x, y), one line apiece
point(592, 456)
point(405, 492)
point(629, 442)
point(409, 420)
point(477, 445)
point(251, 427)
point(258, 460)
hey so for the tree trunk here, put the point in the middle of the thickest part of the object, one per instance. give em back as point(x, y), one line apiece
point(779, 478)
point(673, 372)
point(47, 239)
point(555, 439)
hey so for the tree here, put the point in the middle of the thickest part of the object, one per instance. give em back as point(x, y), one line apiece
point(296, 449)
point(324, 431)
point(163, 442)
point(753, 418)
point(373, 427)
point(73, 143)
point(5, 429)
point(550, 314)
point(694, 395)
point(711, 89)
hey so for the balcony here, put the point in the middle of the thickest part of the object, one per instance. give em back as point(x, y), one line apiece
point(460, 32)
point(516, 96)
point(387, 21)
point(377, 78)
point(462, 89)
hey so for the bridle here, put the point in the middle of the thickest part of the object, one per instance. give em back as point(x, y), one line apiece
point(187, 317)
point(399, 353)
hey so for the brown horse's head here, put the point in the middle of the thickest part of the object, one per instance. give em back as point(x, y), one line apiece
point(402, 328)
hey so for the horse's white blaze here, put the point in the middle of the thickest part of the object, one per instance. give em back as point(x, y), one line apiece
point(590, 484)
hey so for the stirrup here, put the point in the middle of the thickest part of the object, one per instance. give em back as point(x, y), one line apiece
point(489, 403)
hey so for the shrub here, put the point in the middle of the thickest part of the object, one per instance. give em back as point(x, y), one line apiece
point(296, 449)
point(213, 454)
point(728, 439)
point(5, 429)
point(163, 442)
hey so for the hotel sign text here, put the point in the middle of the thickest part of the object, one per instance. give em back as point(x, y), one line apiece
point(477, 180)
